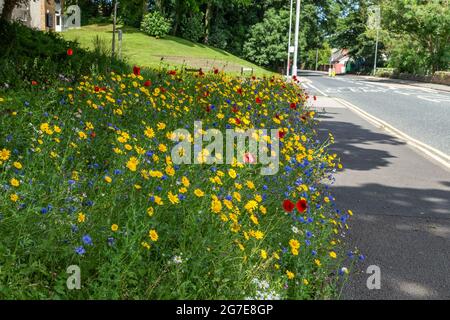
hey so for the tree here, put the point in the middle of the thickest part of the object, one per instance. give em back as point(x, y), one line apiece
point(266, 45)
point(422, 25)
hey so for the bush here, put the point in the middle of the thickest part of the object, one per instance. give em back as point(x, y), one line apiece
point(29, 55)
point(155, 25)
point(192, 27)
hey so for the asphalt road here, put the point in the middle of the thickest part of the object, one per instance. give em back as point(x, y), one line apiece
point(401, 205)
point(420, 112)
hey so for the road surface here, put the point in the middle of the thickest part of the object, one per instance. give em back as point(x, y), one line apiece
point(400, 198)
point(422, 113)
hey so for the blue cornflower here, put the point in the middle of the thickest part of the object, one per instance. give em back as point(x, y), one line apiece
point(80, 250)
point(87, 240)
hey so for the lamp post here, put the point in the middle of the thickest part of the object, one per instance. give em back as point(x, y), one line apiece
point(114, 28)
point(297, 24)
point(375, 22)
point(288, 67)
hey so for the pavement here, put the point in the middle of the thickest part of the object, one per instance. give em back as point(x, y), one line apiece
point(422, 113)
point(399, 196)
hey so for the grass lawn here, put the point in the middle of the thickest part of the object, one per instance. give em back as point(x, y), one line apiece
point(144, 50)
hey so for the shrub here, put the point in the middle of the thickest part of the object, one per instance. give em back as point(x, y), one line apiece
point(155, 25)
point(30, 55)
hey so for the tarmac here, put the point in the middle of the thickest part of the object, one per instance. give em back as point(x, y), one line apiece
point(400, 198)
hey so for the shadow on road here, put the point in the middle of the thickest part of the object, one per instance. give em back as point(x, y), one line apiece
point(350, 136)
point(404, 231)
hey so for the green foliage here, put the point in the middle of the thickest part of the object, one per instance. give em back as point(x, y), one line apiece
point(29, 55)
point(266, 45)
point(155, 24)
point(419, 35)
point(192, 27)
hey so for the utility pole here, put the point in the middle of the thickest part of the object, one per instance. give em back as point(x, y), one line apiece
point(297, 24)
point(114, 29)
point(317, 57)
point(374, 23)
point(288, 67)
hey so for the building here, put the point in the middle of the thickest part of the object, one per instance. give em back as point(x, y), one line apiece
point(45, 15)
point(339, 59)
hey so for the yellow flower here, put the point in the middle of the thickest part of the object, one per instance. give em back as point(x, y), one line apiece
point(114, 227)
point(162, 148)
point(14, 182)
point(259, 235)
point(4, 154)
point(232, 173)
point(173, 198)
point(161, 126)
point(82, 135)
point(145, 244)
point(150, 211)
point(333, 254)
point(199, 193)
point(254, 219)
point(263, 254)
point(294, 244)
point(149, 132)
point(185, 181)
point(251, 205)
point(237, 196)
point(14, 197)
point(305, 282)
point(290, 275)
point(170, 171)
point(158, 201)
point(132, 163)
point(108, 179)
point(250, 184)
point(81, 217)
point(317, 262)
point(294, 251)
point(153, 235)
point(17, 165)
point(216, 206)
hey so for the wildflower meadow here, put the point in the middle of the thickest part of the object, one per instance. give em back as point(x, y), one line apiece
point(88, 179)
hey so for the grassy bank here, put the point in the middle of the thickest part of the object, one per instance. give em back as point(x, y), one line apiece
point(144, 50)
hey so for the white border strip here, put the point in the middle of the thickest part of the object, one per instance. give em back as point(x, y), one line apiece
point(435, 154)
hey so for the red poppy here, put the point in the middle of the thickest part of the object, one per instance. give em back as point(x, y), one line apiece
point(234, 110)
point(33, 83)
point(293, 105)
point(249, 158)
point(301, 205)
point(93, 134)
point(172, 72)
point(216, 71)
point(136, 71)
point(288, 205)
point(147, 83)
point(315, 98)
point(200, 72)
point(238, 121)
point(96, 89)
point(239, 90)
point(281, 134)
point(258, 100)
point(208, 108)
point(69, 52)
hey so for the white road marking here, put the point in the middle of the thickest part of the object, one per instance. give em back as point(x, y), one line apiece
point(318, 90)
point(439, 156)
